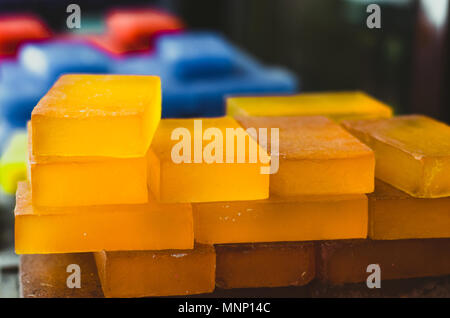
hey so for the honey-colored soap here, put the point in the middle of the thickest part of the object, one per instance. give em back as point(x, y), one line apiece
point(281, 219)
point(335, 105)
point(203, 160)
point(412, 153)
point(341, 262)
point(393, 214)
point(150, 226)
point(264, 265)
point(97, 115)
point(157, 273)
point(316, 156)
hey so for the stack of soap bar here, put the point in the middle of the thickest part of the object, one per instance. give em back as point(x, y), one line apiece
point(105, 125)
point(264, 265)
point(181, 168)
point(156, 273)
point(343, 262)
point(393, 214)
point(281, 219)
point(412, 153)
point(150, 226)
point(16, 30)
point(338, 106)
point(13, 163)
point(316, 156)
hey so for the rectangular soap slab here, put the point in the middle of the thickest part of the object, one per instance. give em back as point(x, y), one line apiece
point(151, 226)
point(412, 153)
point(335, 105)
point(157, 273)
point(393, 214)
point(199, 181)
point(264, 265)
point(85, 181)
point(342, 262)
point(316, 156)
point(97, 115)
point(281, 219)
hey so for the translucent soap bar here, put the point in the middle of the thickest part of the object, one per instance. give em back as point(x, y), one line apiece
point(151, 226)
point(278, 219)
point(97, 115)
point(393, 214)
point(13, 163)
point(412, 153)
point(343, 262)
point(183, 168)
point(335, 105)
point(157, 273)
point(264, 265)
point(85, 181)
point(316, 156)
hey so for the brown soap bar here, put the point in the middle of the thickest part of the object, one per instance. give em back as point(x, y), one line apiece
point(394, 214)
point(346, 261)
point(264, 265)
point(45, 276)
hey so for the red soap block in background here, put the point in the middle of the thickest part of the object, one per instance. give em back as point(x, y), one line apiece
point(18, 29)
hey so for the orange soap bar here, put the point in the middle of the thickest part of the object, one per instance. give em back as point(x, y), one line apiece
point(204, 160)
point(108, 227)
point(393, 214)
point(412, 153)
point(281, 219)
point(157, 273)
point(316, 156)
point(341, 262)
point(264, 265)
point(97, 116)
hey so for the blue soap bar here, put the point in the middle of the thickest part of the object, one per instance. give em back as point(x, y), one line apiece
point(198, 70)
point(49, 60)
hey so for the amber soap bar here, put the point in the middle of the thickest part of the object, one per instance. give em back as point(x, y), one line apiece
point(412, 152)
point(281, 219)
point(97, 115)
point(341, 262)
point(150, 226)
point(316, 156)
point(335, 105)
point(157, 273)
point(393, 214)
point(179, 170)
point(264, 265)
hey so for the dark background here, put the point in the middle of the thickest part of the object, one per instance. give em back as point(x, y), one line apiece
point(325, 42)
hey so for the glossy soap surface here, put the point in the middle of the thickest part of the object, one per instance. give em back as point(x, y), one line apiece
point(150, 226)
point(201, 181)
point(335, 105)
point(97, 115)
point(157, 273)
point(412, 153)
point(316, 156)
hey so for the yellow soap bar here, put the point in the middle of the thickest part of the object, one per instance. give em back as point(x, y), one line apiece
point(335, 105)
point(278, 219)
point(81, 181)
point(393, 215)
point(151, 226)
point(316, 156)
point(412, 153)
point(264, 265)
point(157, 273)
point(203, 160)
point(97, 115)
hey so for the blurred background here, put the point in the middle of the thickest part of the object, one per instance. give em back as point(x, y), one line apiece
point(326, 43)
point(318, 46)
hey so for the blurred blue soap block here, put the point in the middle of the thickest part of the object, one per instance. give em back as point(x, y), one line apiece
point(198, 70)
point(25, 82)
